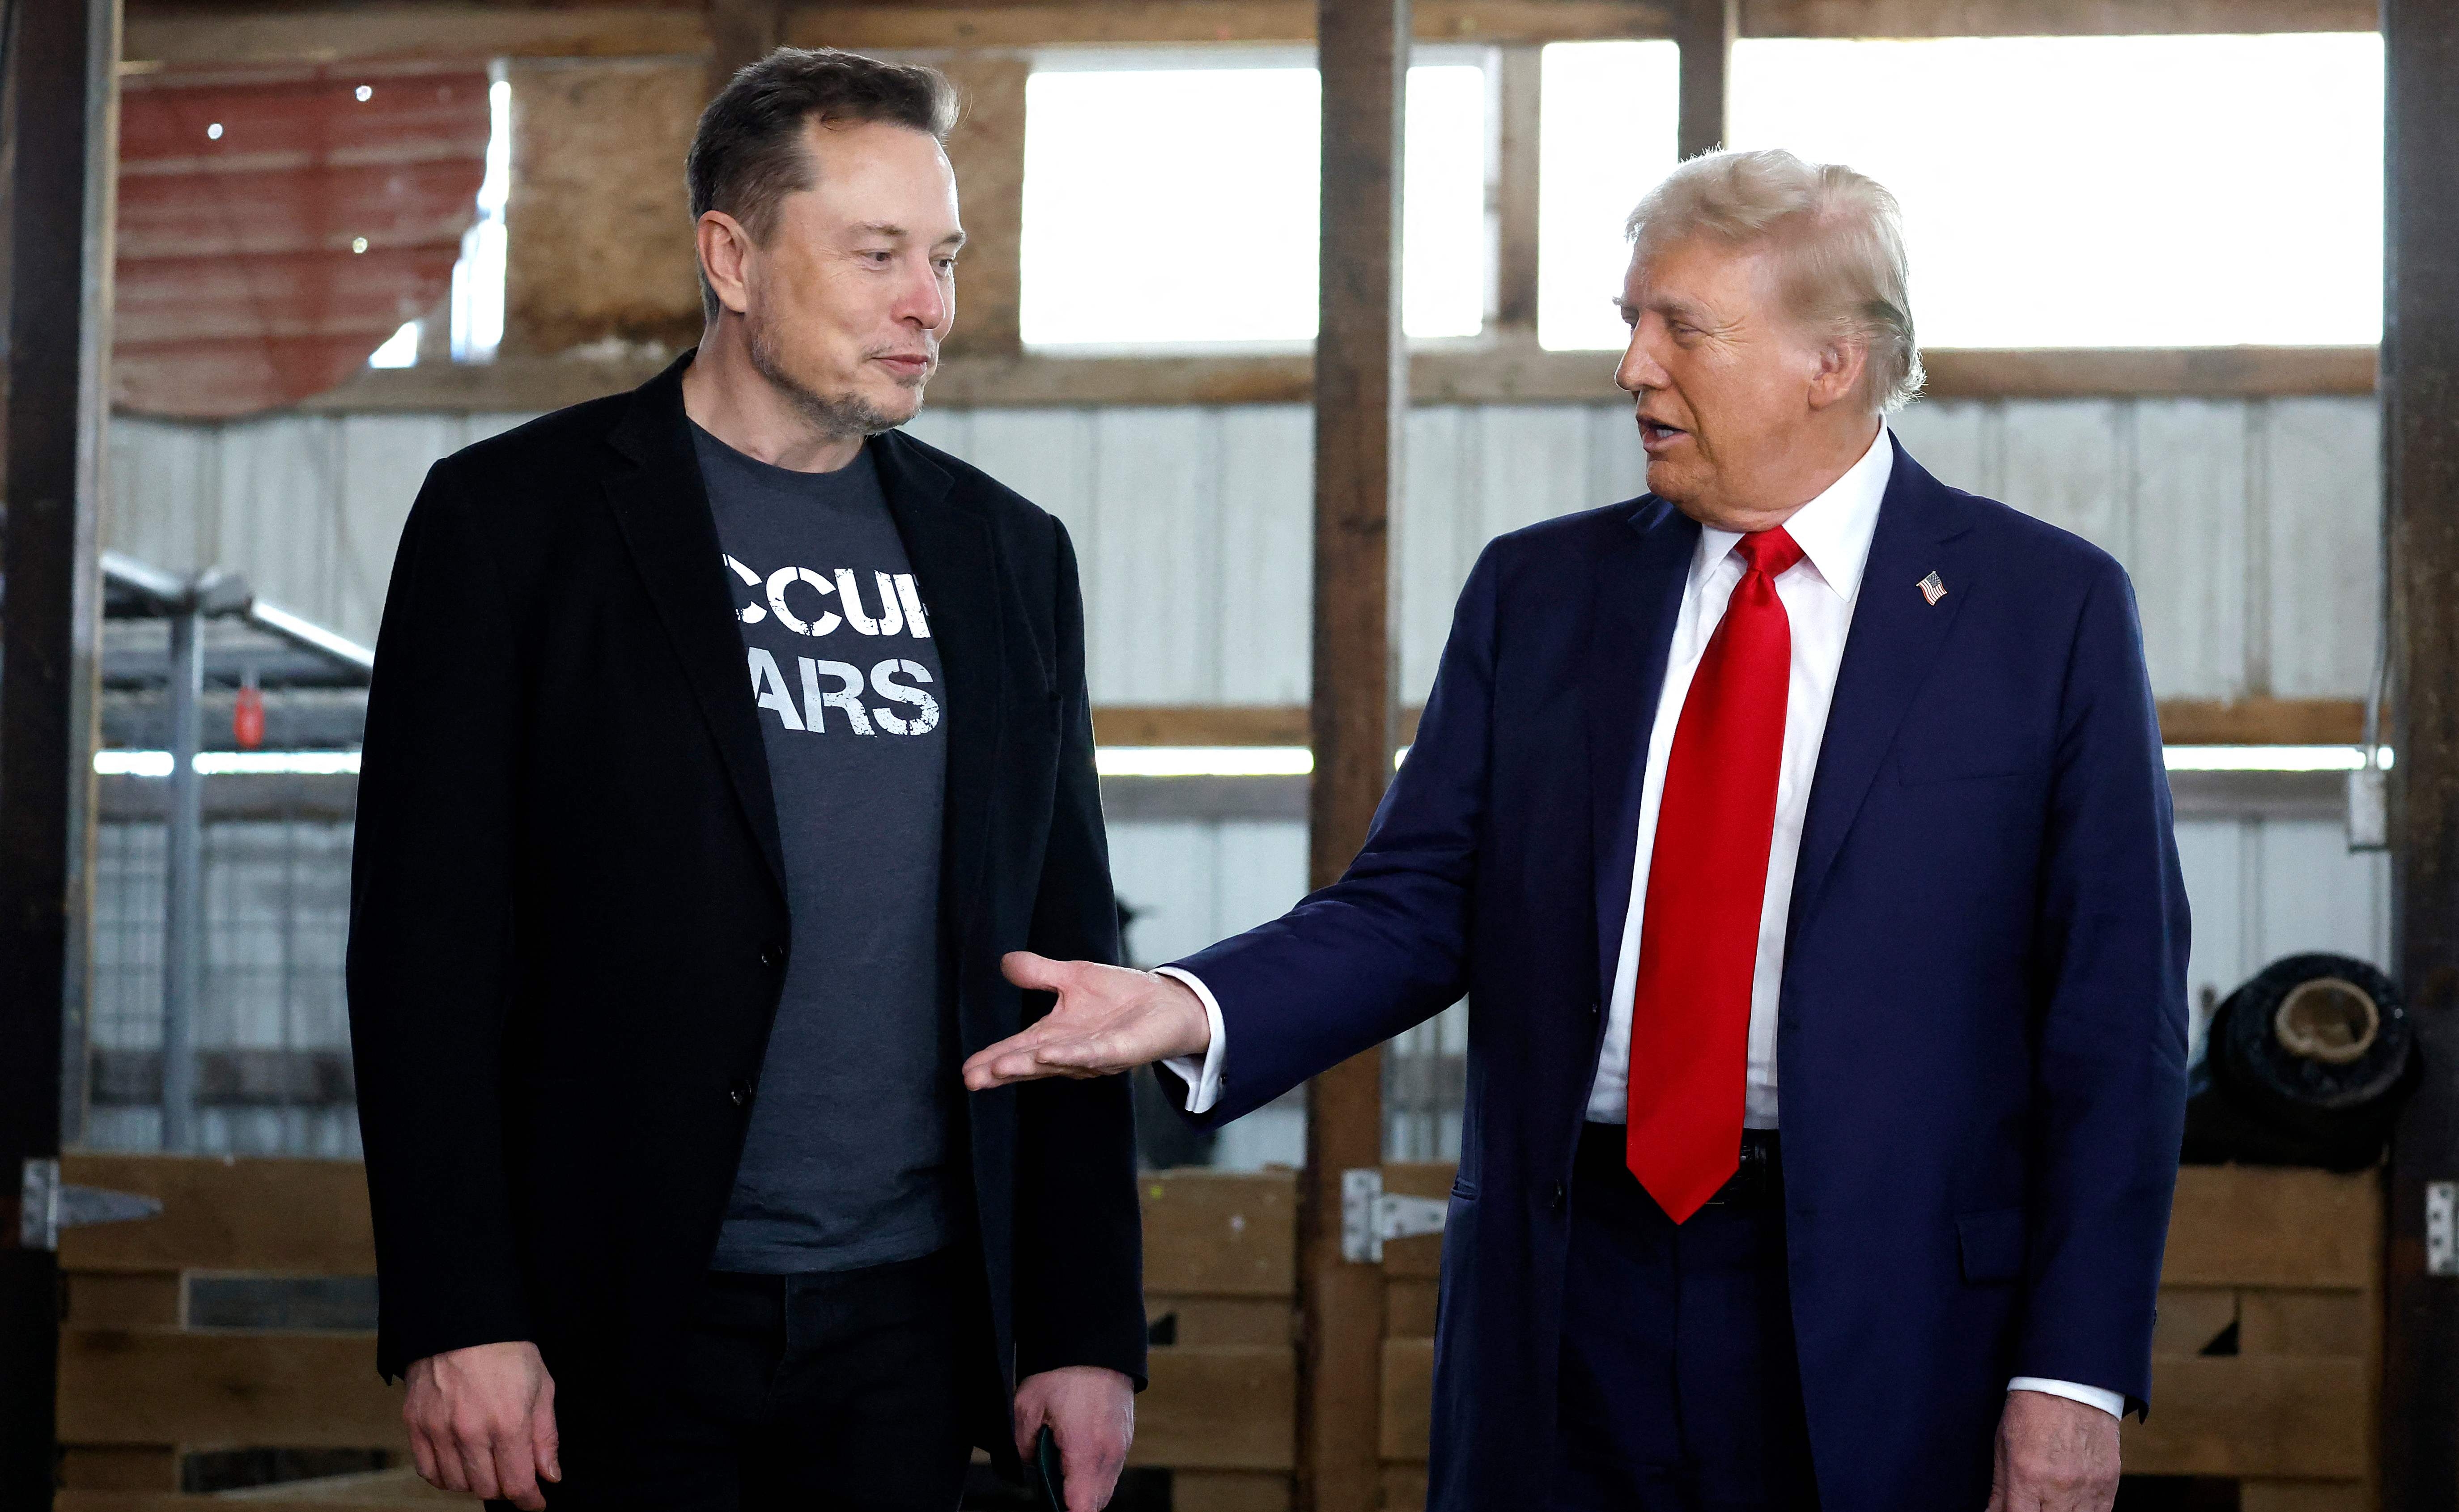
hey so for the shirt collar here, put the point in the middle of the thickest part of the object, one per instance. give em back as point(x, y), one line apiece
point(1833, 530)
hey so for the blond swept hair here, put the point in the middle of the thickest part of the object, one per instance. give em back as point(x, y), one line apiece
point(1837, 235)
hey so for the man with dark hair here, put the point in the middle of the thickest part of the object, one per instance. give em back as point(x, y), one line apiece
point(723, 738)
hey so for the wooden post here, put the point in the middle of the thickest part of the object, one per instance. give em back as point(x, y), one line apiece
point(741, 32)
point(2419, 394)
point(988, 150)
point(1517, 182)
point(1360, 394)
point(60, 131)
point(1704, 30)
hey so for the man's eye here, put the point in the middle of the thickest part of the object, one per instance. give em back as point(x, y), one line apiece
point(947, 265)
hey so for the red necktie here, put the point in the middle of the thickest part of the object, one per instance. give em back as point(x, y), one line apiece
point(1707, 881)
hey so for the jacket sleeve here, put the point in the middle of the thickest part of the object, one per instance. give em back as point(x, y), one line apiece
point(2109, 1066)
point(430, 957)
point(1079, 1244)
point(1386, 946)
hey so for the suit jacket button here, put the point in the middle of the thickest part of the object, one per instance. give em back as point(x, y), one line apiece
point(738, 1094)
point(770, 955)
point(1554, 1197)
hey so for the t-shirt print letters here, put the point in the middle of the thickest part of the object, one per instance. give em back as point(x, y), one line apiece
point(825, 605)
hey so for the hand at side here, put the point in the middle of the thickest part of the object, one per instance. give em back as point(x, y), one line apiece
point(2055, 1455)
point(1107, 1018)
point(1092, 1414)
point(482, 1422)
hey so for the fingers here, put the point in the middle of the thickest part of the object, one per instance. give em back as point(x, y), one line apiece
point(1032, 1411)
point(1034, 1055)
point(515, 1467)
point(422, 1454)
point(546, 1441)
point(473, 1448)
point(1037, 973)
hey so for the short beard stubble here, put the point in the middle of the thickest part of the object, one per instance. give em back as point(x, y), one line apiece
point(841, 418)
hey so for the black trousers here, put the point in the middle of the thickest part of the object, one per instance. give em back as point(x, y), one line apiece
point(825, 1391)
point(1680, 1389)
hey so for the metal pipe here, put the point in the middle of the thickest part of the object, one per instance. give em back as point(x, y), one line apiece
point(183, 887)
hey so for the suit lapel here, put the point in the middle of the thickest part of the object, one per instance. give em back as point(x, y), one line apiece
point(1635, 598)
point(1894, 639)
point(662, 507)
point(949, 544)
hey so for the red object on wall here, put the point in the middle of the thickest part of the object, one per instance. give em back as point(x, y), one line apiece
point(275, 227)
point(247, 716)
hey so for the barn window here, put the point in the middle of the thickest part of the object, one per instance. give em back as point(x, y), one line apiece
point(1177, 206)
point(2141, 191)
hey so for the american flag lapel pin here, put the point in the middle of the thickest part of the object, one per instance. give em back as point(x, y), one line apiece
point(1931, 588)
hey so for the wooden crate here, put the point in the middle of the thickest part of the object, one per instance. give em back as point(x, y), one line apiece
point(1221, 1282)
point(140, 1385)
point(2289, 1260)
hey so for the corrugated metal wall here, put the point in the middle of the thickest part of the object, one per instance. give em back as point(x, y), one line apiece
point(2250, 526)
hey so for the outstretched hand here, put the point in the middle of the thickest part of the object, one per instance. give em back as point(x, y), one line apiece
point(1107, 1018)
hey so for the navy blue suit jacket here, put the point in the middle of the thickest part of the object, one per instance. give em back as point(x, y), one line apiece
point(1982, 1031)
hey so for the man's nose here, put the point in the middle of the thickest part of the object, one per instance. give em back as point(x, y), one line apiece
point(1640, 369)
point(928, 300)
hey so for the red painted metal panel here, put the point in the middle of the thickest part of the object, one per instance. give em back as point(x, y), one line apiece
point(170, 126)
point(325, 209)
point(275, 228)
point(171, 299)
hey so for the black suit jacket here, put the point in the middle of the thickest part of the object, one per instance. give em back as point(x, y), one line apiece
point(568, 907)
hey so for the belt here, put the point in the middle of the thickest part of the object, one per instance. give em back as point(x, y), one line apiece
point(1757, 1182)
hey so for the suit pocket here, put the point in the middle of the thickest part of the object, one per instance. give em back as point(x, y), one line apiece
point(1464, 1189)
point(1993, 1245)
point(1922, 767)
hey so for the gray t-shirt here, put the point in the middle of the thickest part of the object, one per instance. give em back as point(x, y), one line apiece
point(843, 1163)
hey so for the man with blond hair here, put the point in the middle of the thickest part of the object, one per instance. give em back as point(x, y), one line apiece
point(1802, 771)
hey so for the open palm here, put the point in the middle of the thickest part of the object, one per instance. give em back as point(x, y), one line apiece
point(1107, 1020)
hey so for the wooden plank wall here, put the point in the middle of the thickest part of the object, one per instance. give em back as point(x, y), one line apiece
point(2250, 525)
point(2278, 1267)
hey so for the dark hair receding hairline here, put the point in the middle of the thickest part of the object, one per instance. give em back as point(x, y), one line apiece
point(749, 153)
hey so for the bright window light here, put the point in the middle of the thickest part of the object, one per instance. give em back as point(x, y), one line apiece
point(2137, 191)
point(1606, 134)
point(400, 349)
point(2271, 757)
point(219, 763)
point(1202, 760)
point(1178, 206)
point(478, 276)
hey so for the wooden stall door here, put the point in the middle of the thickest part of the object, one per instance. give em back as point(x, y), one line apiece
point(2264, 1363)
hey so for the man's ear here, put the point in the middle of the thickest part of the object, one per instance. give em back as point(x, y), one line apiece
point(1839, 374)
point(724, 248)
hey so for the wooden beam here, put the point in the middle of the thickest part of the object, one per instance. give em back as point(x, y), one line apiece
point(741, 32)
point(1518, 171)
point(1183, 22)
point(2420, 383)
point(1361, 396)
point(57, 148)
point(1704, 30)
point(180, 32)
point(187, 35)
point(1505, 371)
point(988, 150)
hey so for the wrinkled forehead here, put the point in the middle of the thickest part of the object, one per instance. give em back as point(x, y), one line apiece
point(1699, 272)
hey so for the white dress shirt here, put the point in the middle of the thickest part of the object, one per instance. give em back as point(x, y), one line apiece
point(1819, 592)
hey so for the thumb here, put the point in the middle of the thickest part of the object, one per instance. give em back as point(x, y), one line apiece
point(1037, 973)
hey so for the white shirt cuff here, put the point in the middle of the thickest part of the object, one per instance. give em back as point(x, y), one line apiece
point(2111, 1402)
point(1202, 1075)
